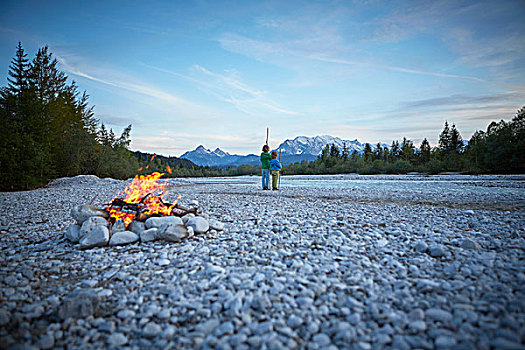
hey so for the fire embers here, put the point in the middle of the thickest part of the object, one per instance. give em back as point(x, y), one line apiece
point(143, 199)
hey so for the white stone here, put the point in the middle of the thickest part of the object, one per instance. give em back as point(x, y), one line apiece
point(159, 221)
point(92, 223)
point(216, 225)
point(199, 224)
point(186, 217)
point(83, 212)
point(117, 339)
point(73, 233)
point(123, 237)
point(469, 244)
point(172, 233)
point(137, 227)
point(151, 330)
point(97, 237)
point(149, 235)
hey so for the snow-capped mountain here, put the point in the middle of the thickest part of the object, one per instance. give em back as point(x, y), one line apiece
point(303, 145)
point(205, 157)
point(296, 150)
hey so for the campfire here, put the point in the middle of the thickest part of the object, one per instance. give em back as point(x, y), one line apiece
point(139, 212)
point(144, 199)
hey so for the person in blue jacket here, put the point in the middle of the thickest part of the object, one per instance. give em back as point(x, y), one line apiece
point(275, 167)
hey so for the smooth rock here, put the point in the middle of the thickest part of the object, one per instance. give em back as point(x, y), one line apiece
point(152, 330)
point(186, 217)
point(123, 237)
point(96, 237)
point(126, 314)
point(163, 262)
point(118, 226)
point(172, 233)
point(46, 342)
point(216, 225)
point(91, 223)
point(321, 339)
point(159, 221)
point(83, 212)
point(294, 321)
point(117, 339)
point(444, 341)
point(436, 250)
point(420, 247)
point(81, 303)
point(5, 317)
point(137, 227)
point(439, 315)
point(417, 325)
point(149, 235)
point(469, 244)
point(199, 224)
point(73, 233)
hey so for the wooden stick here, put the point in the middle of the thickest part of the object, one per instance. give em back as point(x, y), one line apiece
point(281, 168)
point(267, 134)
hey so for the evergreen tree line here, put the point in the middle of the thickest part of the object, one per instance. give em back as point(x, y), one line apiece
point(499, 150)
point(48, 130)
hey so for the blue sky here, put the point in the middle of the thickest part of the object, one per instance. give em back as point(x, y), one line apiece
point(218, 73)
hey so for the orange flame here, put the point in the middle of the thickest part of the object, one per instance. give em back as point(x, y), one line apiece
point(152, 157)
point(168, 169)
point(148, 191)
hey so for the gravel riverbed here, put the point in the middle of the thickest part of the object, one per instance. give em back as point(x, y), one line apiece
point(398, 262)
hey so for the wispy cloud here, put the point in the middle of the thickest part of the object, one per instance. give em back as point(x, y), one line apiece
point(230, 88)
point(272, 51)
point(138, 87)
point(396, 69)
point(459, 99)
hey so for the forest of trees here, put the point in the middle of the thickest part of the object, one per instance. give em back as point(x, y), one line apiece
point(48, 130)
point(499, 150)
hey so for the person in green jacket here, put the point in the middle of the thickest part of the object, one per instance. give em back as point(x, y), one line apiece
point(265, 166)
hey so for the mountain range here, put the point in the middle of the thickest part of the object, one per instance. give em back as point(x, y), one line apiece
point(292, 151)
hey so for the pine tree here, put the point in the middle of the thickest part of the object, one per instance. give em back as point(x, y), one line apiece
point(378, 151)
point(456, 144)
point(444, 139)
point(424, 151)
point(344, 154)
point(45, 76)
point(18, 72)
point(367, 153)
point(394, 150)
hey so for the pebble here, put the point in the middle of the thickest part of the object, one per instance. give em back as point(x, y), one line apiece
point(80, 303)
point(444, 341)
point(46, 342)
point(123, 237)
point(117, 339)
point(172, 232)
point(152, 330)
point(436, 250)
point(439, 315)
point(199, 224)
point(149, 235)
point(164, 220)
